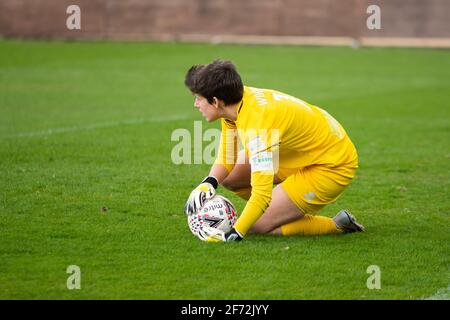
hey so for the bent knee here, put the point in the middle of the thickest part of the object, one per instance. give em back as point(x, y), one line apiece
point(234, 186)
point(229, 185)
point(243, 193)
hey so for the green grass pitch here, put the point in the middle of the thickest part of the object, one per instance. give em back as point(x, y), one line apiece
point(87, 177)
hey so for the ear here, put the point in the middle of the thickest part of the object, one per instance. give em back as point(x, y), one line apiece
point(217, 103)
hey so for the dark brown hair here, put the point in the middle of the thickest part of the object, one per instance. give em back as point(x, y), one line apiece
point(218, 79)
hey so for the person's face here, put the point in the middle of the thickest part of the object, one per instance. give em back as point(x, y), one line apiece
point(209, 111)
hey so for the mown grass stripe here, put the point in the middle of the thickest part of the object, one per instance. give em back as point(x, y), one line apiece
point(95, 126)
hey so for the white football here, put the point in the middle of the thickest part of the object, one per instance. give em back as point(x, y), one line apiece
point(218, 212)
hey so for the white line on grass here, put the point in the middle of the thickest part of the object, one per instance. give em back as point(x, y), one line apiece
point(442, 294)
point(96, 126)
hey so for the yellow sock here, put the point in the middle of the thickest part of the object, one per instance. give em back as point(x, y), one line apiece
point(244, 193)
point(309, 225)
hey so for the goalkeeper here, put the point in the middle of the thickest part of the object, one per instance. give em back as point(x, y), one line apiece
point(297, 146)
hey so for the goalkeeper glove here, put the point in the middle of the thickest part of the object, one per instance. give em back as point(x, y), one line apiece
point(205, 191)
point(209, 234)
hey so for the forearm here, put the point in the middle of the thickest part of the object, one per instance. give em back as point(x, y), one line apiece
point(257, 204)
point(252, 212)
point(219, 172)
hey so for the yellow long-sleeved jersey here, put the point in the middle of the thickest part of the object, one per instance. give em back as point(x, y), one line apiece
point(280, 134)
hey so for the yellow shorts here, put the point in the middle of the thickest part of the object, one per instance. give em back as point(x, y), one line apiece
point(311, 188)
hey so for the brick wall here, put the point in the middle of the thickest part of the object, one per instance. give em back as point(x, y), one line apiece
point(169, 19)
